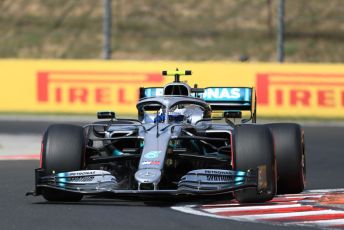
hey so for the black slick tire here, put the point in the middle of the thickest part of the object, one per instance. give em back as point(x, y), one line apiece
point(63, 150)
point(290, 157)
point(253, 147)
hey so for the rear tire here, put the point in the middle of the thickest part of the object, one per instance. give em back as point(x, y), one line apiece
point(290, 157)
point(253, 146)
point(63, 151)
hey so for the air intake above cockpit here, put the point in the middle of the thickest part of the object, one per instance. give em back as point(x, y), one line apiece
point(178, 89)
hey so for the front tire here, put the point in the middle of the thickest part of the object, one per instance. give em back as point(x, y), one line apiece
point(290, 157)
point(63, 151)
point(253, 147)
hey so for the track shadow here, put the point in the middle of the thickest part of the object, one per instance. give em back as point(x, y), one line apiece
point(165, 201)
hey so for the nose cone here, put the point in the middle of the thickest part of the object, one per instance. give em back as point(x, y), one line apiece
point(148, 176)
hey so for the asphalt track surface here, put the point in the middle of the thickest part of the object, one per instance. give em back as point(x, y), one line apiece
point(325, 158)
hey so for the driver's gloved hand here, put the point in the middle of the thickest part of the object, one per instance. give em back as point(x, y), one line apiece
point(160, 118)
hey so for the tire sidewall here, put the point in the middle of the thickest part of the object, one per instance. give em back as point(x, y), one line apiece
point(290, 157)
point(253, 146)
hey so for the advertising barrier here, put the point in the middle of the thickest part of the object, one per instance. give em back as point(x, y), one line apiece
point(288, 90)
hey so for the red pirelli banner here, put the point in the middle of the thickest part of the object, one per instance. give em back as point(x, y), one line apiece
point(288, 90)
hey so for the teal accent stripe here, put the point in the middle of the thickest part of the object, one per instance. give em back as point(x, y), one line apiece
point(239, 178)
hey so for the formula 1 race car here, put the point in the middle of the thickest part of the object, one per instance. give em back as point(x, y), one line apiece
point(186, 141)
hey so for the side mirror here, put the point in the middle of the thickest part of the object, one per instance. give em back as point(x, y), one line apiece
point(232, 114)
point(106, 115)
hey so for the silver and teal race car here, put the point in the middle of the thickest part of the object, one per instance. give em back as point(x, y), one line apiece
point(186, 141)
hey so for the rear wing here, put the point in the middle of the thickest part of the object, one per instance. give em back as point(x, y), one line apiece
point(219, 98)
point(151, 92)
point(230, 99)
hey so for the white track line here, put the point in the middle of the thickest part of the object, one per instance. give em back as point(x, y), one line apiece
point(285, 202)
point(250, 208)
point(272, 216)
point(324, 190)
point(321, 223)
point(211, 210)
point(290, 197)
point(303, 196)
point(190, 210)
point(221, 205)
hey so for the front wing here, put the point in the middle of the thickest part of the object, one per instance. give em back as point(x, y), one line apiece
point(196, 182)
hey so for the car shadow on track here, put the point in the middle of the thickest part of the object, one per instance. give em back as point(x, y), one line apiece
point(139, 201)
